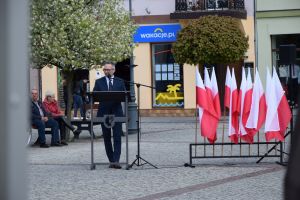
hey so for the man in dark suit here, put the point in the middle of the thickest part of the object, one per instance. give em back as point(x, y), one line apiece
point(110, 83)
point(292, 180)
point(40, 119)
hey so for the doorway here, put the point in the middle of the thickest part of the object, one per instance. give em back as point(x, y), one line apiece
point(123, 72)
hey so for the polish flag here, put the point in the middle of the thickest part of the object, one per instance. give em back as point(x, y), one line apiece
point(278, 110)
point(242, 94)
point(227, 88)
point(210, 112)
point(245, 133)
point(201, 98)
point(258, 108)
point(215, 93)
point(241, 97)
point(233, 110)
point(201, 101)
point(244, 105)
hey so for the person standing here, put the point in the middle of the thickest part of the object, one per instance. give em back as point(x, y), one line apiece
point(77, 98)
point(293, 84)
point(65, 95)
point(292, 180)
point(110, 83)
point(85, 96)
point(40, 118)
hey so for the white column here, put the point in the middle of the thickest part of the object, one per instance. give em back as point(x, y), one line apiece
point(14, 98)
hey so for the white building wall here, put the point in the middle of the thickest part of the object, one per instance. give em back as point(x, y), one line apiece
point(165, 7)
point(272, 26)
point(151, 7)
point(267, 5)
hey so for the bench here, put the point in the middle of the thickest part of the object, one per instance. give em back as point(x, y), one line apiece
point(47, 131)
point(83, 124)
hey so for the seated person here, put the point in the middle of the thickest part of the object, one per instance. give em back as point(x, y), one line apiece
point(52, 107)
point(40, 119)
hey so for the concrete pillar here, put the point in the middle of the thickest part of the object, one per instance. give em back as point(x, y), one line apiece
point(14, 98)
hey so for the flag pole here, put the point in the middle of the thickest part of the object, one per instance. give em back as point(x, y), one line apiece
point(249, 149)
point(223, 131)
point(204, 147)
point(240, 146)
point(231, 148)
point(196, 138)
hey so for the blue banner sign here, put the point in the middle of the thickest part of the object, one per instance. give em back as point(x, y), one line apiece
point(157, 33)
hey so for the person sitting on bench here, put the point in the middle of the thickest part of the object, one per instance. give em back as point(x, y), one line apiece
point(41, 119)
point(52, 107)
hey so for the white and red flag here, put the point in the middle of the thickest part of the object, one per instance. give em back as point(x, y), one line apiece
point(246, 136)
point(258, 108)
point(241, 97)
point(233, 110)
point(244, 104)
point(210, 112)
point(215, 93)
point(278, 110)
point(242, 92)
point(227, 88)
point(201, 101)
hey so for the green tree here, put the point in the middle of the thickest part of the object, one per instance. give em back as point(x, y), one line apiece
point(79, 34)
point(210, 40)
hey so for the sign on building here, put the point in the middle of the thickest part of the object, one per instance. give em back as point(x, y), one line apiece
point(157, 33)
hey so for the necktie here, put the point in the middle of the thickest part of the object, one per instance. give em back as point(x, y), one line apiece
point(110, 84)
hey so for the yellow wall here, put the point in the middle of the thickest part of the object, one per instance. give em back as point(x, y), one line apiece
point(248, 26)
point(49, 81)
point(189, 83)
point(93, 76)
point(143, 73)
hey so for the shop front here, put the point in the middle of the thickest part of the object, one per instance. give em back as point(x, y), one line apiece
point(157, 68)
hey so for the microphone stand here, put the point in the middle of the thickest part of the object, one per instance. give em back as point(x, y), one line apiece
point(139, 161)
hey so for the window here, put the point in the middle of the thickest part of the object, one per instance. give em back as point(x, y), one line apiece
point(167, 78)
point(217, 4)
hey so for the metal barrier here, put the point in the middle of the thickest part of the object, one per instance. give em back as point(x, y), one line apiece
point(258, 149)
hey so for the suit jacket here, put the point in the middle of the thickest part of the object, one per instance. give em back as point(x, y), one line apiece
point(292, 180)
point(35, 112)
point(109, 107)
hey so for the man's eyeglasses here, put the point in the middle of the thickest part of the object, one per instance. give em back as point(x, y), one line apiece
point(107, 69)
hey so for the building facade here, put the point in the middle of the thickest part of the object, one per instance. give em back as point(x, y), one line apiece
point(278, 23)
point(169, 88)
point(174, 93)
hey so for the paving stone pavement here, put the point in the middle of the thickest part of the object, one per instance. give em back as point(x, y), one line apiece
point(64, 172)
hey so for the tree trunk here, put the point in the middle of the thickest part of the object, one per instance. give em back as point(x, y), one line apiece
point(69, 78)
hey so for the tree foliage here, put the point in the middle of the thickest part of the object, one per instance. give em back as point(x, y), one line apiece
point(79, 34)
point(210, 40)
point(74, 34)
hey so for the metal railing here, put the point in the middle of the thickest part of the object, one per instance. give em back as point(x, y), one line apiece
point(202, 5)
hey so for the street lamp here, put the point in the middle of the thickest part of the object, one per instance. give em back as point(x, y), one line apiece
point(132, 106)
